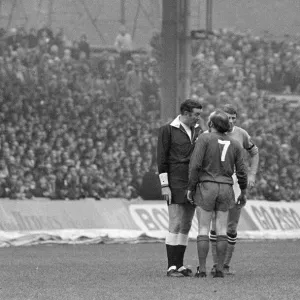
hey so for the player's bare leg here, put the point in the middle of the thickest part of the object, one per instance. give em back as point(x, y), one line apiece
point(171, 239)
point(221, 228)
point(233, 220)
point(213, 243)
point(188, 212)
point(180, 222)
point(204, 219)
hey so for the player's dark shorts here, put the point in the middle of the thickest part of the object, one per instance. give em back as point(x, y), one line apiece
point(212, 196)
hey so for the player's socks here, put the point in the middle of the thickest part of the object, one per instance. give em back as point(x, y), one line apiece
point(203, 247)
point(231, 238)
point(221, 251)
point(213, 241)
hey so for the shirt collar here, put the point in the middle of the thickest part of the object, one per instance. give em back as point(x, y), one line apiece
point(176, 122)
point(233, 128)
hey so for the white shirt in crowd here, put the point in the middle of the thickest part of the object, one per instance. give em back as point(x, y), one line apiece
point(123, 42)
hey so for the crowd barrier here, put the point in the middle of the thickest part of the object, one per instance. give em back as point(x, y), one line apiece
point(29, 222)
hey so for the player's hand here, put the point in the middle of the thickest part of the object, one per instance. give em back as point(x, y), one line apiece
point(166, 193)
point(241, 200)
point(251, 181)
point(190, 197)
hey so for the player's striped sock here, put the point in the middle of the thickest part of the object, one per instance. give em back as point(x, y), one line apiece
point(221, 251)
point(203, 247)
point(231, 238)
point(213, 240)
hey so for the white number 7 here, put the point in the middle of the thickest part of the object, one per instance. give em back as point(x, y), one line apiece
point(225, 148)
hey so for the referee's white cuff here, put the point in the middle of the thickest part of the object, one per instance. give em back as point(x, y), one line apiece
point(163, 177)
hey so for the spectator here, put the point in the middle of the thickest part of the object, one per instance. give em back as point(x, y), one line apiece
point(29, 186)
point(12, 40)
point(3, 169)
point(13, 187)
point(111, 86)
point(124, 45)
point(133, 79)
point(75, 52)
point(84, 46)
point(32, 39)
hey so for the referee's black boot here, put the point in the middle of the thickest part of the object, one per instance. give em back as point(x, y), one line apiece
point(172, 272)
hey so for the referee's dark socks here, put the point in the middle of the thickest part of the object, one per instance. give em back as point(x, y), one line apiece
point(213, 240)
point(221, 250)
point(180, 250)
point(171, 255)
point(202, 247)
point(171, 242)
point(231, 238)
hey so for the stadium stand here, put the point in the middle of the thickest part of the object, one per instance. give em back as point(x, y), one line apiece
point(76, 125)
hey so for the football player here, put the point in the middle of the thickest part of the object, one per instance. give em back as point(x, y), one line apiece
point(245, 141)
point(213, 162)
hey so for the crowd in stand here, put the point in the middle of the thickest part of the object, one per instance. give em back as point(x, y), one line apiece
point(69, 128)
point(75, 127)
point(238, 68)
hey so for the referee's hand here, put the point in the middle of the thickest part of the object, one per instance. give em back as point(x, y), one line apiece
point(166, 193)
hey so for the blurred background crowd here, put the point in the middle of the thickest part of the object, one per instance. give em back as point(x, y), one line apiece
point(75, 125)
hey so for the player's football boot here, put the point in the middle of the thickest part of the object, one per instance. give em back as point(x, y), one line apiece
point(185, 271)
point(172, 272)
point(200, 274)
point(213, 270)
point(218, 274)
point(227, 270)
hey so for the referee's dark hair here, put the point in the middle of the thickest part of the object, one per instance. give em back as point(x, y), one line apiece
point(189, 104)
point(229, 109)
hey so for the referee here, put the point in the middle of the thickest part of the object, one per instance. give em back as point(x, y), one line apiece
point(176, 142)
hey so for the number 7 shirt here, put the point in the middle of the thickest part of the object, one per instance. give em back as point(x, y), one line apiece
point(215, 158)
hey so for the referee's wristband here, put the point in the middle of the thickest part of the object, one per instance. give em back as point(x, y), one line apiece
point(164, 182)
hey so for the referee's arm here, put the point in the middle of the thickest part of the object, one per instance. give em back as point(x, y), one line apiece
point(163, 146)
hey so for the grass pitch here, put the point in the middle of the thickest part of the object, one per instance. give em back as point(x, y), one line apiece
point(265, 270)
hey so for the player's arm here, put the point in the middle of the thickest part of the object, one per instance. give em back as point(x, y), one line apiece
point(254, 161)
point(163, 148)
point(195, 165)
point(241, 174)
point(252, 149)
